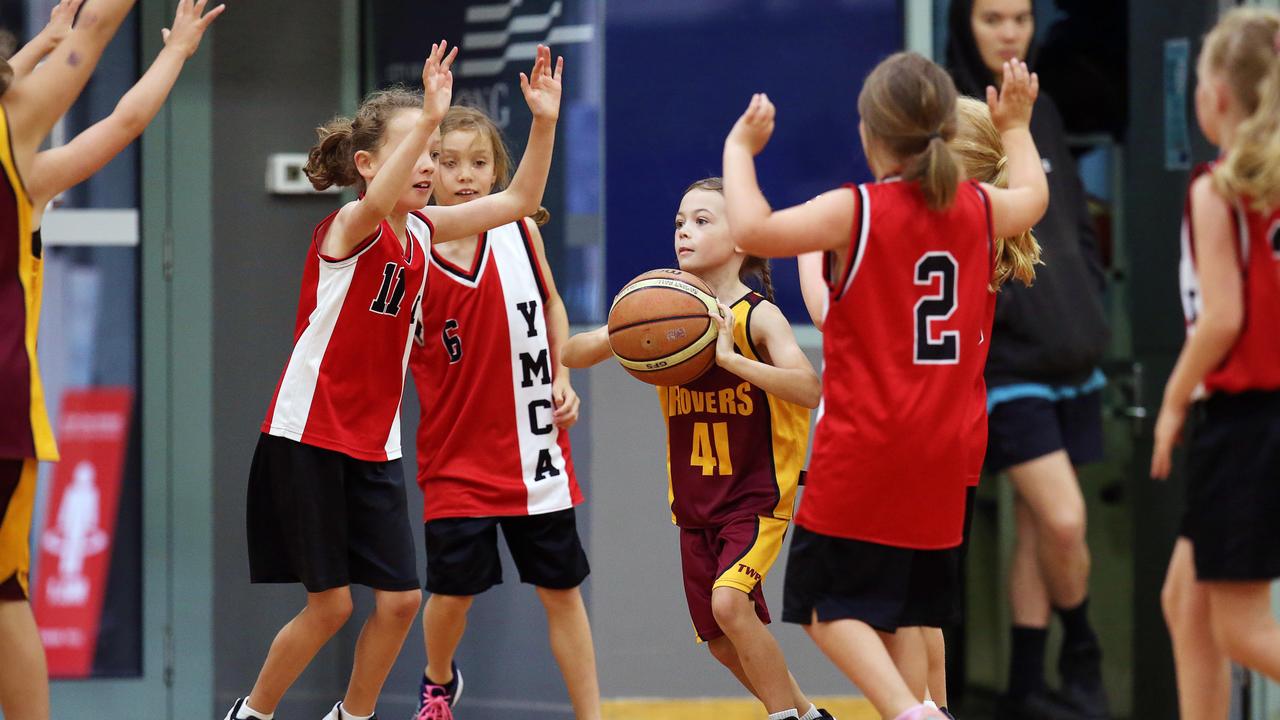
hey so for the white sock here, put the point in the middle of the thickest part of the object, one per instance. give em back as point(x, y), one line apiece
point(785, 714)
point(247, 713)
point(930, 704)
point(344, 715)
point(813, 713)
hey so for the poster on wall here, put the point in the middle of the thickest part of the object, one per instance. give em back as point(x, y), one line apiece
point(74, 538)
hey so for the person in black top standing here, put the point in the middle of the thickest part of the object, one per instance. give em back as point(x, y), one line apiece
point(1044, 390)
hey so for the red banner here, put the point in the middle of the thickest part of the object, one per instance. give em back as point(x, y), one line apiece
point(80, 520)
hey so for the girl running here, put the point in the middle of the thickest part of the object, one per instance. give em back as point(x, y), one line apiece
point(1217, 598)
point(326, 492)
point(981, 154)
point(914, 258)
point(493, 441)
point(733, 466)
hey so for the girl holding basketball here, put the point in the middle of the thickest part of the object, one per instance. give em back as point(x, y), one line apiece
point(911, 261)
point(493, 441)
point(735, 453)
point(326, 503)
point(977, 146)
point(1217, 598)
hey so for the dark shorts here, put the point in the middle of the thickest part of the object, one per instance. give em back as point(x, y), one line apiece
point(885, 587)
point(1025, 429)
point(327, 520)
point(738, 555)
point(462, 553)
point(1233, 487)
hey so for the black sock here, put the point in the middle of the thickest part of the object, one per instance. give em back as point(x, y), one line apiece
point(1076, 630)
point(1026, 666)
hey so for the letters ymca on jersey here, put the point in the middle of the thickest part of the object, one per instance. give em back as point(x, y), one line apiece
point(486, 443)
point(342, 386)
point(1252, 363)
point(901, 364)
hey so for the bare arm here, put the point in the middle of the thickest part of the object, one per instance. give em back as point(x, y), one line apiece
point(1019, 207)
point(586, 349)
point(1217, 328)
point(57, 169)
point(785, 372)
point(359, 219)
point(59, 27)
point(35, 101)
point(542, 92)
point(562, 392)
point(820, 224)
point(812, 286)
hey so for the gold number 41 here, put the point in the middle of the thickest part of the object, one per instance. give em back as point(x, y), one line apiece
point(704, 456)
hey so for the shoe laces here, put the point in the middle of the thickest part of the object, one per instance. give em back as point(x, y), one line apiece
point(435, 705)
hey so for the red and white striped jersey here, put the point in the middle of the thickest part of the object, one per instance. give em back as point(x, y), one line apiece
point(342, 386)
point(901, 361)
point(482, 365)
point(1254, 361)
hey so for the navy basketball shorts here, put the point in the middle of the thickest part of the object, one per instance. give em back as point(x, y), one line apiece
point(462, 553)
point(1024, 429)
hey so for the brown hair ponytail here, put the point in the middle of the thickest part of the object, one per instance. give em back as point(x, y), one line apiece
point(1245, 48)
point(978, 147)
point(332, 160)
point(908, 106)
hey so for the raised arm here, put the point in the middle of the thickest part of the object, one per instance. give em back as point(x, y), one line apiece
point(586, 349)
point(542, 89)
point(35, 101)
point(59, 27)
point(57, 169)
point(820, 224)
point(1019, 207)
point(359, 219)
point(1217, 327)
point(784, 372)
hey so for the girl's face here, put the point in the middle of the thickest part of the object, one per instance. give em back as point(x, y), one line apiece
point(1002, 30)
point(418, 192)
point(702, 234)
point(465, 159)
point(1212, 102)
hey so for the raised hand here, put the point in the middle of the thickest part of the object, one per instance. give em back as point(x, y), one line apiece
point(437, 81)
point(1011, 106)
point(755, 127)
point(541, 87)
point(189, 24)
point(60, 20)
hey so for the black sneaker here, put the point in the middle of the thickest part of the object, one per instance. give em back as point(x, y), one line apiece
point(1082, 690)
point(1039, 705)
point(947, 712)
point(822, 712)
point(235, 708)
point(436, 701)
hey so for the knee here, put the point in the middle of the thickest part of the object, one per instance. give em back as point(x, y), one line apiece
point(331, 609)
point(731, 608)
point(1173, 601)
point(400, 606)
point(1065, 529)
point(555, 600)
point(449, 604)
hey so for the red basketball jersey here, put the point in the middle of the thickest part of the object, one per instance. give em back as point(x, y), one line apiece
point(894, 442)
point(482, 365)
point(978, 430)
point(1254, 361)
point(342, 386)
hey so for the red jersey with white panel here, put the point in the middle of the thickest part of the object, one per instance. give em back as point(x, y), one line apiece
point(342, 386)
point(482, 366)
point(1254, 361)
point(894, 441)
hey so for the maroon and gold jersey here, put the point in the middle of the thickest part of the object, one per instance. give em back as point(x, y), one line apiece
point(1254, 360)
point(732, 449)
point(24, 424)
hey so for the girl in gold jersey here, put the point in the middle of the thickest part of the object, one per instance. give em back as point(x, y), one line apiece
point(736, 442)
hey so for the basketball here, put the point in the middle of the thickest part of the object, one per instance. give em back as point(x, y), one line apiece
point(660, 330)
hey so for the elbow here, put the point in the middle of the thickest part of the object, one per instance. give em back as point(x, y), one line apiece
point(1224, 327)
point(750, 240)
point(813, 394)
